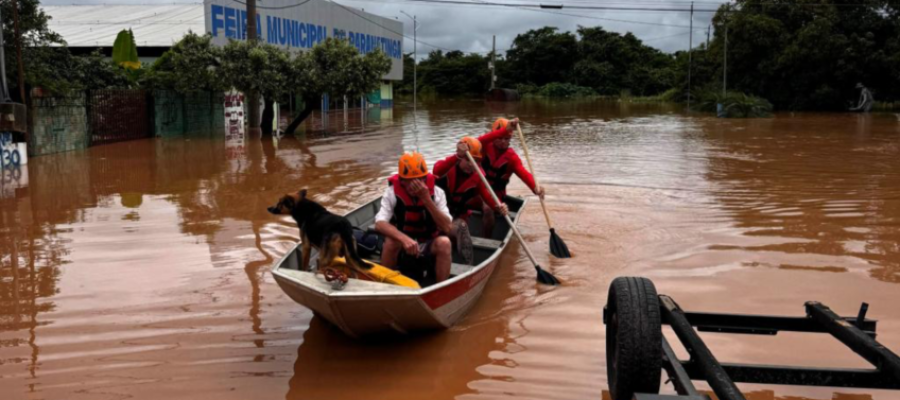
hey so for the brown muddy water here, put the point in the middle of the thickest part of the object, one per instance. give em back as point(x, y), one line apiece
point(141, 269)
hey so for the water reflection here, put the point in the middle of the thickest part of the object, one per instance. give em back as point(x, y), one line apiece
point(151, 258)
point(814, 191)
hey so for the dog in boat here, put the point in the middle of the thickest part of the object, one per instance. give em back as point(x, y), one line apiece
point(330, 234)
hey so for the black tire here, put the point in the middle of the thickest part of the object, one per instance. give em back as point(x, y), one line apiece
point(633, 338)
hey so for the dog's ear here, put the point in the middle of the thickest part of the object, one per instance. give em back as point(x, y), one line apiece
point(302, 194)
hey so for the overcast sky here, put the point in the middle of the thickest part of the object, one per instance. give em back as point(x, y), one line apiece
point(470, 28)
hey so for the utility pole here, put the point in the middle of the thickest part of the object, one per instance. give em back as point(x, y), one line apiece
point(18, 39)
point(415, 64)
point(4, 89)
point(13, 116)
point(253, 96)
point(690, 56)
point(494, 62)
point(708, 28)
point(725, 61)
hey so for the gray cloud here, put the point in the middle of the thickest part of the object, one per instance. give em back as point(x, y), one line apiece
point(470, 28)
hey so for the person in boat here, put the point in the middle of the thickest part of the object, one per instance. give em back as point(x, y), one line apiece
point(465, 192)
point(414, 220)
point(500, 162)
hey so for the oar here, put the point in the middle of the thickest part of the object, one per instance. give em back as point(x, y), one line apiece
point(542, 276)
point(557, 247)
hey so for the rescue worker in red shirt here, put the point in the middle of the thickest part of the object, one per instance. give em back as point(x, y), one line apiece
point(500, 163)
point(465, 192)
point(414, 221)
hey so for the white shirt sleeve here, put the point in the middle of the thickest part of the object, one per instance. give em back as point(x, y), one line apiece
point(440, 200)
point(388, 202)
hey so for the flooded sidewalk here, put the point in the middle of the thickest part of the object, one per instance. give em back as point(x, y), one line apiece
point(140, 269)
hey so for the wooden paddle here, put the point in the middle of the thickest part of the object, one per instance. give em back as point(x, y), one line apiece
point(557, 247)
point(542, 276)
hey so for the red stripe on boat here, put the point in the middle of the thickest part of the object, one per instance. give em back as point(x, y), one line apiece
point(436, 299)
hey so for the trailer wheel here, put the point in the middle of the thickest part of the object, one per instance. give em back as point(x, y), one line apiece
point(633, 338)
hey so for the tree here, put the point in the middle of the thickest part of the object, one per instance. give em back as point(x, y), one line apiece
point(455, 73)
point(541, 56)
point(339, 70)
point(335, 67)
point(190, 66)
point(406, 86)
point(95, 71)
point(805, 54)
point(610, 62)
point(41, 61)
point(261, 67)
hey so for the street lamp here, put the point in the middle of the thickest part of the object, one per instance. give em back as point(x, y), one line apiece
point(415, 63)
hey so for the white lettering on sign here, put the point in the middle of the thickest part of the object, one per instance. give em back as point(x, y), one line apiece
point(11, 154)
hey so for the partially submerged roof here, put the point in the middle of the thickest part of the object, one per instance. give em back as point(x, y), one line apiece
point(158, 25)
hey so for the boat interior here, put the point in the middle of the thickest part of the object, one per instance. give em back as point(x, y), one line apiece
point(483, 247)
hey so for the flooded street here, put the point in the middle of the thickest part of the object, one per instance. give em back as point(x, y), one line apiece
point(141, 269)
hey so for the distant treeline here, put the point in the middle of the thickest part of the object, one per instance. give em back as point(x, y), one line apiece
point(798, 54)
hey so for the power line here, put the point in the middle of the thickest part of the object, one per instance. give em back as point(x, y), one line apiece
point(384, 27)
point(562, 6)
point(545, 11)
point(259, 7)
point(664, 37)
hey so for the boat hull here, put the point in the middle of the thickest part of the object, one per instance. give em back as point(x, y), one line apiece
point(364, 308)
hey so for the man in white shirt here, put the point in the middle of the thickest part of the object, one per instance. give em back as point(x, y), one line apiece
point(414, 219)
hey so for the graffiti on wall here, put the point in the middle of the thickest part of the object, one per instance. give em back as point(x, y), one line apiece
point(11, 154)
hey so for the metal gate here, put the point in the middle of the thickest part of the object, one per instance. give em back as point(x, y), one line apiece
point(118, 114)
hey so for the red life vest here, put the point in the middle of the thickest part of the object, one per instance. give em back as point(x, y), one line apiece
point(410, 215)
point(497, 168)
point(460, 188)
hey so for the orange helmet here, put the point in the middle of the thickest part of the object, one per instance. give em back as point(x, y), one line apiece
point(474, 146)
point(500, 123)
point(412, 165)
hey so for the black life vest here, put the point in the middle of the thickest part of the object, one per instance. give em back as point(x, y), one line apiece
point(497, 168)
point(460, 188)
point(410, 215)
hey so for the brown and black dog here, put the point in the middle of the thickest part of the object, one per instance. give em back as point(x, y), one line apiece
point(331, 234)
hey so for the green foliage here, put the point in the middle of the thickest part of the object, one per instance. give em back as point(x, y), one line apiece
point(564, 90)
point(804, 57)
point(40, 60)
point(541, 56)
point(98, 72)
point(606, 62)
point(336, 67)
point(526, 89)
point(454, 73)
point(124, 52)
point(610, 63)
point(735, 104)
point(253, 66)
point(406, 85)
point(190, 66)
point(333, 66)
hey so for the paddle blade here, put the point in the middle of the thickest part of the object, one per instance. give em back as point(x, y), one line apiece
point(557, 247)
point(545, 277)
